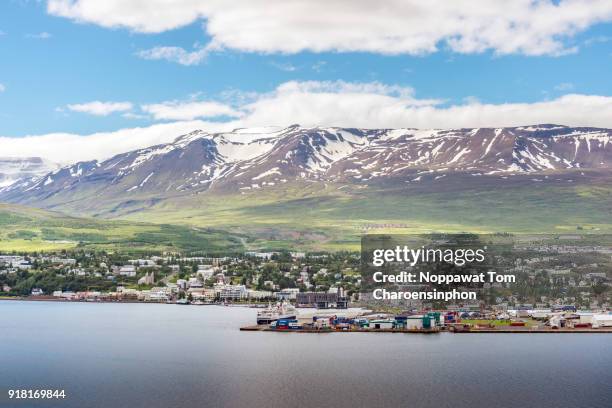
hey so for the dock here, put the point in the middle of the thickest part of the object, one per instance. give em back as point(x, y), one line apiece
point(266, 328)
point(532, 331)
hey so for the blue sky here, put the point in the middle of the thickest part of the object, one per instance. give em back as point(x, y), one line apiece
point(59, 57)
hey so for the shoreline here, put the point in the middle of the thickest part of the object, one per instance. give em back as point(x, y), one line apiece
point(263, 328)
point(266, 328)
point(60, 300)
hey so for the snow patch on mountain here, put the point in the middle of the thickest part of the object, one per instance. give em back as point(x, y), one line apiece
point(260, 158)
point(14, 169)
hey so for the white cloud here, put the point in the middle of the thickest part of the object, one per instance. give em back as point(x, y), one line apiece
point(312, 103)
point(2, 87)
point(68, 148)
point(99, 108)
point(375, 105)
point(175, 54)
point(132, 115)
point(531, 27)
point(39, 36)
point(176, 110)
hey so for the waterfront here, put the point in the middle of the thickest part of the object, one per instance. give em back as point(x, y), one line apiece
point(137, 355)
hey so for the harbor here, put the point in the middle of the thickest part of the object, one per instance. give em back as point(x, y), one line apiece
point(332, 330)
point(285, 318)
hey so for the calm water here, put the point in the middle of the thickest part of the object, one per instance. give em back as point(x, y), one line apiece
point(136, 355)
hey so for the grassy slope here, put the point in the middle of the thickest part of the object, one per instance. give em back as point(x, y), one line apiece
point(28, 229)
point(315, 216)
point(329, 219)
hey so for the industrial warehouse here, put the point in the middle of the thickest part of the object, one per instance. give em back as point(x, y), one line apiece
point(561, 319)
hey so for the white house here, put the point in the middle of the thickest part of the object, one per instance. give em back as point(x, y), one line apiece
point(127, 270)
point(37, 292)
point(233, 292)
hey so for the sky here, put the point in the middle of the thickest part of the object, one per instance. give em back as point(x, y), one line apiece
point(86, 79)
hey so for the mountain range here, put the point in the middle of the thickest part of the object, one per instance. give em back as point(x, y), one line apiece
point(251, 159)
point(203, 174)
point(13, 169)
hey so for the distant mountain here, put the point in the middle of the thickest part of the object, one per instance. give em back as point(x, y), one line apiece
point(257, 160)
point(13, 169)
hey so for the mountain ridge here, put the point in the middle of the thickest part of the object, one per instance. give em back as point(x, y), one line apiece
point(13, 169)
point(254, 159)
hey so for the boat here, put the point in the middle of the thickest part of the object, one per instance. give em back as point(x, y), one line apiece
point(283, 310)
point(183, 302)
point(198, 303)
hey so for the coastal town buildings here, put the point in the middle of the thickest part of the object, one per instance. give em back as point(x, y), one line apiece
point(307, 280)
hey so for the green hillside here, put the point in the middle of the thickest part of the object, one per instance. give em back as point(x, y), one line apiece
point(326, 218)
point(314, 216)
point(28, 229)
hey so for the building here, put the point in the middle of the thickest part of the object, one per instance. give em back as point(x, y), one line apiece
point(261, 255)
point(148, 279)
point(232, 292)
point(322, 300)
point(321, 272)
point(23, 265)
point(596, 320)
point(128, 270)
point(194, 283)
point(381, 324)
point(206, 271)
point(63, 261)
point(64, 295)
point(259, 294)
point(142, 262)
point(207, 294)
point(157, 294)
point(287, 294)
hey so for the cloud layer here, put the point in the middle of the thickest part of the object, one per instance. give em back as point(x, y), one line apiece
point(99, 108)
point(68, 148)
point(312, 103)
point(376, 105)
point(176, 110)
point(530, 27)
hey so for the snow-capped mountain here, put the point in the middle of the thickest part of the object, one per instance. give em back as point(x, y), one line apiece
point(16, 168)
point(267, 158)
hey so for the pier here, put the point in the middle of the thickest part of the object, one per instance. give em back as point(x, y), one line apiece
point(267, 328)
point(434, 330)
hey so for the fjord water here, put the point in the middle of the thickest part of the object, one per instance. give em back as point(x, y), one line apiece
point(145, 355)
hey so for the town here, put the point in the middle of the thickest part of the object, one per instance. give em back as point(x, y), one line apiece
point(546, 277)
point(249, 278)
